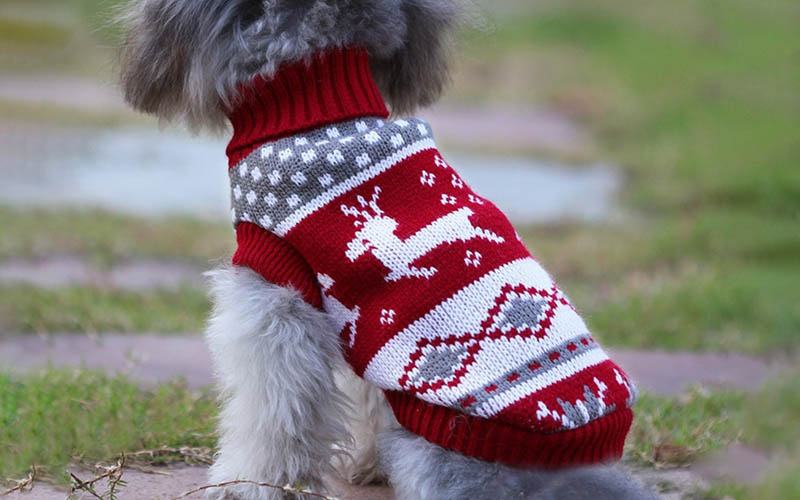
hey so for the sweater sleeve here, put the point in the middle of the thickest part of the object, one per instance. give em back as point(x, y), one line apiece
point(276, 260)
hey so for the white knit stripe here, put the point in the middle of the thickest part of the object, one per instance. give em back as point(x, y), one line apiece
point(351, 183)
point(557, 374)
point(460, 314)
point(500, 356)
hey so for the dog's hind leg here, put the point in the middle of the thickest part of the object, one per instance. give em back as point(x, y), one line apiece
point(419, 470)
point(282, 416)
point(371, 417)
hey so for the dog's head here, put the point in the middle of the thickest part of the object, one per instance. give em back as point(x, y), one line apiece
point(184, 59)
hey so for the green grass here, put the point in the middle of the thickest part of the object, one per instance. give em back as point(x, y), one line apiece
point(106, 237)
point(26, 32)
point(781, 483)
point(723, 309)
point(48, 419)
point(669, 431)
point(25, 309)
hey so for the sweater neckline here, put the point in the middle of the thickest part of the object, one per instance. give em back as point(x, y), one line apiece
point(332, 86)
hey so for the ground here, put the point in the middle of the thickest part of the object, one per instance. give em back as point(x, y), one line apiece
point(694, 288)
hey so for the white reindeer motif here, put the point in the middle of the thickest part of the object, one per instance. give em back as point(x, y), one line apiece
point(340, 315)
point(376, 235)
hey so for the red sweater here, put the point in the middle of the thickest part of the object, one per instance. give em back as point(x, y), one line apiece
point(436, 299)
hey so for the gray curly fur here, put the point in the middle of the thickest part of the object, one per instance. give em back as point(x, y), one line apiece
point(419, 470)
point(183, 59)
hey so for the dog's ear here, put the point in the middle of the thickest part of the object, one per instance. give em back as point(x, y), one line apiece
point(170, 57)
point(416, 73)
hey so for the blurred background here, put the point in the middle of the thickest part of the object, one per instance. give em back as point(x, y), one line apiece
point(648, 152)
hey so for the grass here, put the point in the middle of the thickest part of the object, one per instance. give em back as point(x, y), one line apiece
point(780, 484)
point(105, 237)
point(49, 419)
point(71, 37)
point(26, 309)
point(671, 432)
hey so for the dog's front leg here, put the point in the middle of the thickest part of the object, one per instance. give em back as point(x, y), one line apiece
point(282, 414)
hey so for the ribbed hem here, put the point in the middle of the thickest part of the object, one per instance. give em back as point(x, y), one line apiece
point(333, 86)
point(276, 260)
point(599, 441)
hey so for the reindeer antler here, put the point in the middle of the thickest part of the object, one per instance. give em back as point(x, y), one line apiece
point(361, 212)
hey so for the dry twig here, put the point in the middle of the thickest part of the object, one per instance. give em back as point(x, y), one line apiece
point(112, 473)
point(22, 484)
point(187, 454)
point(287, 489)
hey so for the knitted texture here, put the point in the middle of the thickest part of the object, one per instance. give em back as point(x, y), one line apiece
point(436, 299)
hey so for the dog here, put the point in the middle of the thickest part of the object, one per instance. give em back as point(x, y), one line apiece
point(380, 321)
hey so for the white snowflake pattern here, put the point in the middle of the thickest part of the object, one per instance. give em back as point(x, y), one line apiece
point(473, 258)
point(448, 199)
point(275, 177)
point(474, 199)
point(335, 157)
point(309, 156)
point(285, 154)
point(299, 178)
point(427, 178)
point(387, 316)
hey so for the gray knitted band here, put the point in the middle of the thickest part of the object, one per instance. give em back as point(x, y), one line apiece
point(282, 182)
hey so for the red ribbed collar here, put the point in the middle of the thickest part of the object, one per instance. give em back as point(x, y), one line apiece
point(334, 86)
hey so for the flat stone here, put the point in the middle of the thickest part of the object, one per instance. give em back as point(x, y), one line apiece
point(737, 462)
point(671, 373)
point(498, 128)
point(151, 358)
point(63, 91)
point(64, 270)
point(486, 127)
point(146, 358)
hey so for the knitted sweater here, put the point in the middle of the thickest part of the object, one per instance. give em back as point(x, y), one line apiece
point(436, 299)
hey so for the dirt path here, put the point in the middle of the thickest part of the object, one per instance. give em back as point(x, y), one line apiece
point(154, 358)
point(174, 481)
point(492, 128)
point(170, 482)
point(136, 275)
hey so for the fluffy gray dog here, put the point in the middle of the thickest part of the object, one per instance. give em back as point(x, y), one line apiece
point(293, 410)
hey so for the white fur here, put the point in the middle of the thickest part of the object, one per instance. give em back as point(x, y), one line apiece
point(282, 414)
point(372, 416)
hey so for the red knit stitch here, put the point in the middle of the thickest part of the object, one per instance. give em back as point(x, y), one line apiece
point(276, 260)
point(332, 87)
